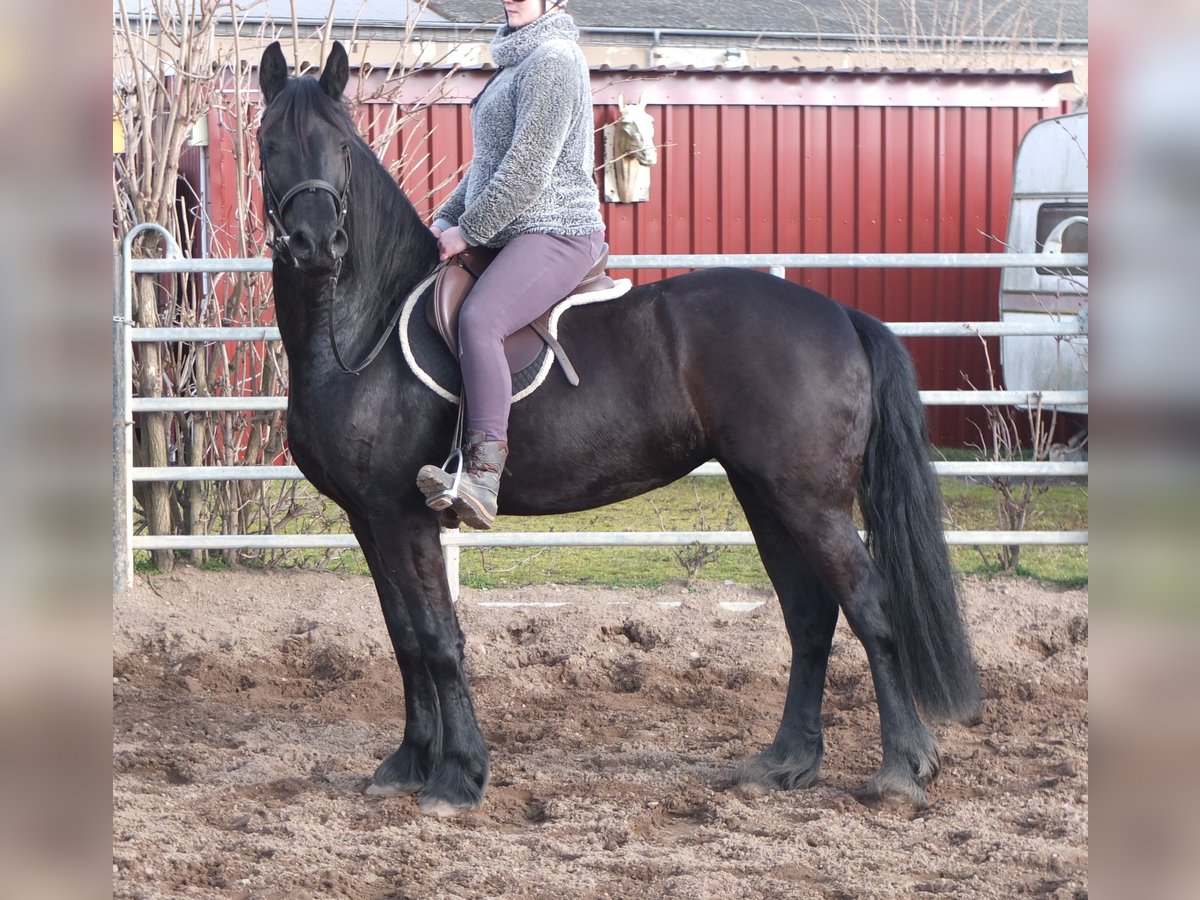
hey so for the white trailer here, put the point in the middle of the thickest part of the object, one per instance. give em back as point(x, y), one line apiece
point(1049, 214)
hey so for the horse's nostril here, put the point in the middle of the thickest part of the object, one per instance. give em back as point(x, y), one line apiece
point(339, 243)
point(301, 244)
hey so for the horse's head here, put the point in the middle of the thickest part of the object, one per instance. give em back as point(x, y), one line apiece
point(305, 143)
point(635, 132)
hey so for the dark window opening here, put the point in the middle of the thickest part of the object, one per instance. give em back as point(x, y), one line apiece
point(1074, 239)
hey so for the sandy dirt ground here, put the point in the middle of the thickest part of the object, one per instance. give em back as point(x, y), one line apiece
point(249, 711)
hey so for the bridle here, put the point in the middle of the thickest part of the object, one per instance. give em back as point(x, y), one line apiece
point(275, 207)
point(281, 246)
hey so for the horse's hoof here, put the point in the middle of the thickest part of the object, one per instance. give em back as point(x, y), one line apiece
point(401, 773)
point(898, 792)
point(452, 790)
point(780, 770)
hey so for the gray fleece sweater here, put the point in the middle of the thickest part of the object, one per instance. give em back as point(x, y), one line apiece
point(534, 150)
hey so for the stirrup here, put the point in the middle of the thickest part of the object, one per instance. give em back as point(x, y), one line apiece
point(445, 499)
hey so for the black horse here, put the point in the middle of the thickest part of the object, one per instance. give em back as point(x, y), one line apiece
point(803, 401)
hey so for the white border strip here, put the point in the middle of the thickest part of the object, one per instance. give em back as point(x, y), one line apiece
point(620, 287)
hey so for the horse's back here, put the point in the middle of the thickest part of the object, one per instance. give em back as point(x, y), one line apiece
point(732, 319)
point(734, 310)
point(724, 363)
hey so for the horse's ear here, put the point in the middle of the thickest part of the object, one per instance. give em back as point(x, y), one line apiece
point(641, 103)
point(621, 102)
point(336, 72)
point(272, 72)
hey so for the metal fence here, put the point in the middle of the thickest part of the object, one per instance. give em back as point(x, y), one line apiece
point(125, 543)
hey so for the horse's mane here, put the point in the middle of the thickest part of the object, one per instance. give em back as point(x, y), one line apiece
point(387, 236)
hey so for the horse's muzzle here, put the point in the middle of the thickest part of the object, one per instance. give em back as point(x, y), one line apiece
point(318, 255)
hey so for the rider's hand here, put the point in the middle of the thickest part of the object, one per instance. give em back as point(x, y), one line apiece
point(435, 230)
point(450, 242)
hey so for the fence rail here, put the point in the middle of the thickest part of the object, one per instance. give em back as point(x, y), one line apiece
point(1064, 328)
point(455, 538)
point(125, 335)
point(293, 473)
point(929, 398)
point(171, 264)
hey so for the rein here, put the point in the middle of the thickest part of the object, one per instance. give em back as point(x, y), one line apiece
point(388, 329)
point(280, 244)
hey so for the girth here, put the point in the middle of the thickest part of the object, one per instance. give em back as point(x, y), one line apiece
point(522, 347)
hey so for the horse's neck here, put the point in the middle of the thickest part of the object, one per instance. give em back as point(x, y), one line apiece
point(359, 311)
point(301, 311)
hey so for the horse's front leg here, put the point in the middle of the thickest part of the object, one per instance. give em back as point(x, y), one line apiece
point(411, 553)
point(406, 770)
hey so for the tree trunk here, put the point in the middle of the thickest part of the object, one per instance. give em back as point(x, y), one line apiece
point(156, 496)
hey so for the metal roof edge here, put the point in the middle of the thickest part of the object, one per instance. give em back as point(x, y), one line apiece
point(1058, 76)
point(656, 34)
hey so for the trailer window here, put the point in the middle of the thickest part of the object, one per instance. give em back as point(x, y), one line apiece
point(1075, 239)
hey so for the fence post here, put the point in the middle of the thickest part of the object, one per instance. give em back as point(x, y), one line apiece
point(122, 424)
point(123, 404)
point(452, 554)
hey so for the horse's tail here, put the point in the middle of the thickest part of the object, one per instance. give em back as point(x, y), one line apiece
point(902, 504)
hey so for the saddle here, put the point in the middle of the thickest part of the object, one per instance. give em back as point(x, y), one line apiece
point(522, 347)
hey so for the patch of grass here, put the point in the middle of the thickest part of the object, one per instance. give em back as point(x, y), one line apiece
point(1064, 566)
point(971, 507)
point(677, 507)
point(143, 563)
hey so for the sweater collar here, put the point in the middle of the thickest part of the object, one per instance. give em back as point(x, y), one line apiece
point(510, 46)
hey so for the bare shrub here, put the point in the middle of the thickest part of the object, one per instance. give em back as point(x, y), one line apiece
point(1011, 436)
point(173, 77)
point(694, 557)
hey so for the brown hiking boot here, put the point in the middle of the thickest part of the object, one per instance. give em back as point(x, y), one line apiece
point(473, 492)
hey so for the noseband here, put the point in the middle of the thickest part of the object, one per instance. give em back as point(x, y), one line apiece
point(275, 207)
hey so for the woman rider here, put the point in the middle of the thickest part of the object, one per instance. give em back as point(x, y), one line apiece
point(530, 192)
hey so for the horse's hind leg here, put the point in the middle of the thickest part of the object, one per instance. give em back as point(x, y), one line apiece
point(810, 613)
point(829, 539)
point(407, 768)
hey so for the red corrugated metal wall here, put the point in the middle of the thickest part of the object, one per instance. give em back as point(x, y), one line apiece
point(744, 179)
point(776, 176)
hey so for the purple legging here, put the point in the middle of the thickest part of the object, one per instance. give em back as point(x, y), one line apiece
point(531, 274)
